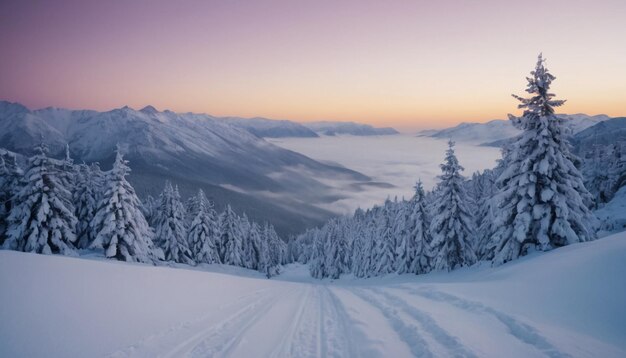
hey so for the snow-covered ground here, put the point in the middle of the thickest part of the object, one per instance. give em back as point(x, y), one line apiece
point(398, 160)
point(568, 302)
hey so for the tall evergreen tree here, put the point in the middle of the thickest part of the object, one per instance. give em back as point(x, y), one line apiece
point(542, 203)
point(266, 265)
point(384, 254)
point(231, 238)
point(203, 232)
point(336, 250)
point(419, 233)
point(42, 219)
point(10, 182)
point(171, 235)
point(247, 249)
point(405, 249)
point(149, 207)
point(252, 250)
point(86, 203)
point(452, 225)
point(98, 179)
point(119, 225)
point(317, 264)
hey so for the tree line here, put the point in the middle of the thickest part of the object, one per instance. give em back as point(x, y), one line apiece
point(56, 207)
point(533, 200)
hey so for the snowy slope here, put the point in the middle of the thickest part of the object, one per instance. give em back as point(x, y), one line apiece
point(613, 214)
point(604, 133)
point(500, 129)
point(347, 128)
point(568, 302)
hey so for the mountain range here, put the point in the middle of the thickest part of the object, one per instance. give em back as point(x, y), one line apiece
point(233, 165)
point(495, 132)
point(271, 128)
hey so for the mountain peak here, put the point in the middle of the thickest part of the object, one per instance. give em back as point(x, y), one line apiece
point(149, 109)
point(7, 107)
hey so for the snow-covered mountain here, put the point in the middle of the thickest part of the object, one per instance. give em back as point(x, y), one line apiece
point(604, 133)
point(495, 131)
point(348, 128)
point(193, 150)
point(271, 128)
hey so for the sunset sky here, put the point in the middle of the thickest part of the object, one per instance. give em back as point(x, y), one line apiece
point(407, 64)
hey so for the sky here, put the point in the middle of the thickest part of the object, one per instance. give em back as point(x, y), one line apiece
point(406, 64)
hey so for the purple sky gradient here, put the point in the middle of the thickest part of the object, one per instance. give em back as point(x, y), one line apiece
point(409, 64)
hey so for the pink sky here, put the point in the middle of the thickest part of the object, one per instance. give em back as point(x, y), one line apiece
point(407, 64)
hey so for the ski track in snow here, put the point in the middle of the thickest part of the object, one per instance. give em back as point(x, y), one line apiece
point(408, 332)
point(318, 328)
point(520, 330)
point(428, 324)
point(318, 325)
point(187, 334)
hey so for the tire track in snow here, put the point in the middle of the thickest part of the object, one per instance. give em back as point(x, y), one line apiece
point(185, 331)
point(445, 339)
point(409, 333)
point(517, 329)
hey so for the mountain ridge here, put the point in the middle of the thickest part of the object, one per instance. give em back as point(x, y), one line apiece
point(196, 150)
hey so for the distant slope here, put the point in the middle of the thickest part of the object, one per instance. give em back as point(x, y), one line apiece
point(193, 150)
point(270, 128)
point(568, 302)
point(605, 132)
point(348, 128)
point(496, 132)
point(477, 132)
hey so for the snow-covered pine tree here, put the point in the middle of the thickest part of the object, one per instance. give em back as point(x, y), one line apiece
point(10, 183)
point(278, 247)
point(367, 257)
point(85, 200)
point(68, 171)
point(405, 249)
point(419, 232)
point(42, 219)
point(203, 232)
point(265, 258)
point(171, 235)
point(98, 179)
point(358, 242)
point(247, 249)
point(317, 263)
point(542, 203)
point(231, 238)
point(149, 207)
point(119, 225)
point(384, 254)
point(452, 225)
point(336, 250)
point(253, 246)
point(484, 247)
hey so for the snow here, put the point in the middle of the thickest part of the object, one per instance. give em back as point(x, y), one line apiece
point(613, 214)
point(567, 302)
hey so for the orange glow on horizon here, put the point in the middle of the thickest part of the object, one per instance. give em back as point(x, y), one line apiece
point(409, 65)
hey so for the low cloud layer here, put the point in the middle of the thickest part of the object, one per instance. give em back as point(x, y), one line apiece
point(399, 160)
